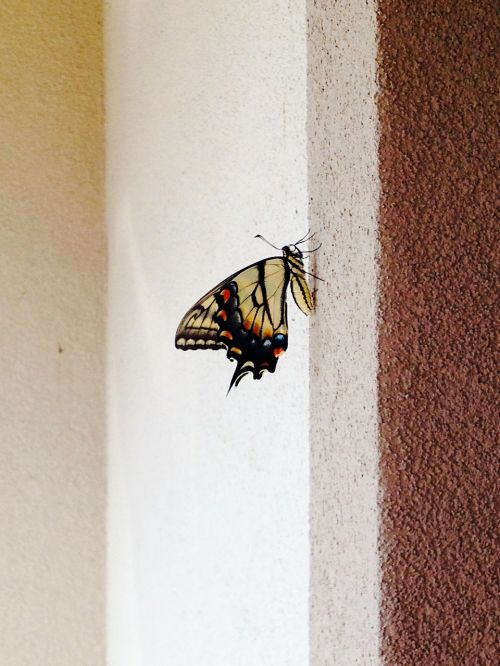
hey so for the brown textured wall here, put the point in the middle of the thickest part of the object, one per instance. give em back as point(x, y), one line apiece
point(438, 126)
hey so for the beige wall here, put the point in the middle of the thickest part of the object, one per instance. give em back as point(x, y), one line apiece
point(52, 276)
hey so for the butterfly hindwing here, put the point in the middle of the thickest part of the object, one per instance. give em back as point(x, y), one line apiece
point(246, 315)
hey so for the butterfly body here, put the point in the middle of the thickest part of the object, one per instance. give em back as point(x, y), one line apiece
point(246, 314)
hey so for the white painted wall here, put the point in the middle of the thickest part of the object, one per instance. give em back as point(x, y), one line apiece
point(208, 495)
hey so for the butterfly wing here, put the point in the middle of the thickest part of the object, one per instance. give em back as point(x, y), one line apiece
point(300, 290)
point(246, 315)
point(198, 328)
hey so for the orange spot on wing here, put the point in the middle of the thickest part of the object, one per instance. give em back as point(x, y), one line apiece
point(222, 314)
point(256, 328)
point(226, 334)
point(278, 351)
point(226, 294)
point(236, 350)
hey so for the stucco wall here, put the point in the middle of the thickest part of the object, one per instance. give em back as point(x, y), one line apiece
point(209, 548)
point(438, 65)
point(52, 277)
point(343, 200)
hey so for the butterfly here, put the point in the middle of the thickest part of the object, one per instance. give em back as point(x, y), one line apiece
point(246, 314)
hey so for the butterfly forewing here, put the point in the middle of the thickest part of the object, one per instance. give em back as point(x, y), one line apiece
point(198, 329)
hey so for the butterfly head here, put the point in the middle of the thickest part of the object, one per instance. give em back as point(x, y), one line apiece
point(292, 251)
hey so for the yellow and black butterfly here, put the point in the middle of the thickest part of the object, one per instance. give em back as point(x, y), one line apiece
point(246, 313)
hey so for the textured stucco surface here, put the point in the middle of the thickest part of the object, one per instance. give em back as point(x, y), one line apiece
point(439, 237)
point(52, 275)
point(343, 201)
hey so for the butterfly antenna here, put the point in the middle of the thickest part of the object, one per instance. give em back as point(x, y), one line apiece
point(266, 241)
point(306, 238)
